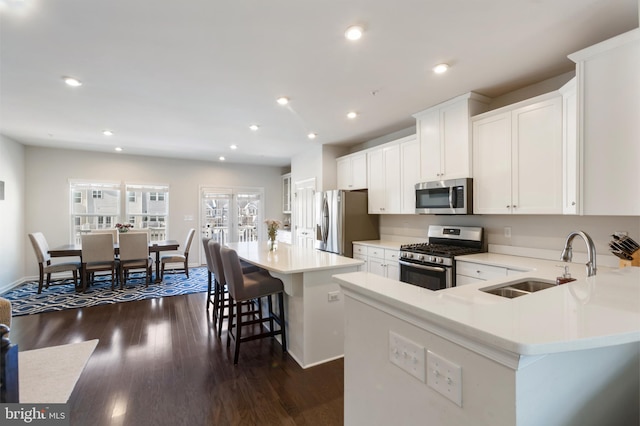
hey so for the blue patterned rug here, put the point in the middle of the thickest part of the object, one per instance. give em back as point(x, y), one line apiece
point(25, 299)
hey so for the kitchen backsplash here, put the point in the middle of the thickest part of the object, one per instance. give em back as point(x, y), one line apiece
point(538, 232)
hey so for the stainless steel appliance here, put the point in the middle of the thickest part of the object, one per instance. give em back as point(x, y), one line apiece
point(341, 218)
point(453, 196)
point(432, 265)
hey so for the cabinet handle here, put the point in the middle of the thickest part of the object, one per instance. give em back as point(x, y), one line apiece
point(573, 203)
point(508, 206)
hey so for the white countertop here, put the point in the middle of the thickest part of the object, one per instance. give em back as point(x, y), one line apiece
point(598, 311)
point(288, 259)
point(386, 244)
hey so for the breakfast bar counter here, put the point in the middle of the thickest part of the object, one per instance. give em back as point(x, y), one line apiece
point(313, 301)
point(565, 355)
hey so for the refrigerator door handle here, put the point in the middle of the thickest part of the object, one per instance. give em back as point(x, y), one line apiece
point(325, 220)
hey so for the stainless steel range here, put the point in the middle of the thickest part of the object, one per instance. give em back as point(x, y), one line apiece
point(432, 265)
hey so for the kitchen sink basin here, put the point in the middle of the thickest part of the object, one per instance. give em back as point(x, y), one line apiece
point(507, 292)
point(532, 286)
point(518, 288)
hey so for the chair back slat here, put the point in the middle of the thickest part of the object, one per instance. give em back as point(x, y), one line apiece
point(232, 272)
point(40, 247)
point(134, 246)
point(187, 243)
point(97, 247)
point(218, 269)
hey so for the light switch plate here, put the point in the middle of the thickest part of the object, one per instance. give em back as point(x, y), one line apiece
point(445, 377)
point(407, 355)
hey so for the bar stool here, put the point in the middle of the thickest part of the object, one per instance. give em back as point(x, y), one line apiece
point(244, 287)
point(220, 299)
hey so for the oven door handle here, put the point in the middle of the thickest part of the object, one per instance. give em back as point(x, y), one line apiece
point(428, 268)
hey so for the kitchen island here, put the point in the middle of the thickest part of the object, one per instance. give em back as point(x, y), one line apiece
point(313, 302)
point(567, 355)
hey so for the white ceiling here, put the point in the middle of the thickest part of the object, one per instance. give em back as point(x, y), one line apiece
point(185, 79)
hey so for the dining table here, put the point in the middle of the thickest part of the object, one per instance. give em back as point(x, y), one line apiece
point(68, 250)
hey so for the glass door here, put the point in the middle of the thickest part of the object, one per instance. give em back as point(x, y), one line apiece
point(230, 215)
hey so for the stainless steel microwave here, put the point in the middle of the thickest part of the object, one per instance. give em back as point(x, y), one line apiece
point(452, 196)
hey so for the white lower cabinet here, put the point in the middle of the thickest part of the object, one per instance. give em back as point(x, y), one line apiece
point(471, 272)
point(378, 260)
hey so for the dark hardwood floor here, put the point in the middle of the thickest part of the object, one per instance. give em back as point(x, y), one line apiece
point(159, 362)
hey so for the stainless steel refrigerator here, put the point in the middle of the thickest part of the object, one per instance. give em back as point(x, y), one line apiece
point(341, 218)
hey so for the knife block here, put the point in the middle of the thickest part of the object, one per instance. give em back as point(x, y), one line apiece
point(634, 262)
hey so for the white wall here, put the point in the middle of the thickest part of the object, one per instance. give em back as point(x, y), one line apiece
point(12, 231)
point(48, 172)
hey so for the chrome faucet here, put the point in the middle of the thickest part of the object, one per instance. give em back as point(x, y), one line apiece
point(567, 253)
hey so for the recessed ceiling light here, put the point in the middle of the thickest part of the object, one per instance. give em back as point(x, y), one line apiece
point(73, 82)
point(312, 135)
point(440, 68)
point(352, 115)
point(234, 147)
point(107, 132)
point(221, 158)
point(353, 33)
point(254, 127)
point(283, 100)
point(117, 148)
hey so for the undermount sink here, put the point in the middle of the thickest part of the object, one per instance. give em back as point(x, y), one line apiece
point(518, 288)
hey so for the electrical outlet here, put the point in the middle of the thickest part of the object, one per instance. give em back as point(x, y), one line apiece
point(407, 355)
point(507, 232)
point(334, 296)
point(445, 377)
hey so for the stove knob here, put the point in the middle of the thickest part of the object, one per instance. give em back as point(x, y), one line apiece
point(440, 260)
point(431, 258)
point(409, 256)
point(421, 257)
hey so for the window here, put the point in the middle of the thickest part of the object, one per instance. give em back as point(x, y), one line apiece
point(148, 208)
point(94, 205)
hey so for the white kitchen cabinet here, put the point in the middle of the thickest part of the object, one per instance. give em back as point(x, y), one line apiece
point(570, 153)
point(352, 171)
point(444, 135)
point(393, 171)
point(286, 193)
point(383, 166)
point(472, 272)
point(378, 260)
point(410, 174)
point(518, 158)
point(609, 126)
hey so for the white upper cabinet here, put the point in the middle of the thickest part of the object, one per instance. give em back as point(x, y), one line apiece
point(384, 179)
point(393, 171)
point(518, 158)
point(609, 125)
point(444, 135)
point(570, 159)
point(352, 171)
point(286, 193)
point(410, 174)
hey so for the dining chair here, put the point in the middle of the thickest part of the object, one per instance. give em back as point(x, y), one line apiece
point(134, 254)
point(113, 232)
point(97, 255)
point(182, 258)
point(246, 287)
point(41, 248)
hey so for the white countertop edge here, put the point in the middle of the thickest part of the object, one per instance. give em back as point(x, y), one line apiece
point(353, 283)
